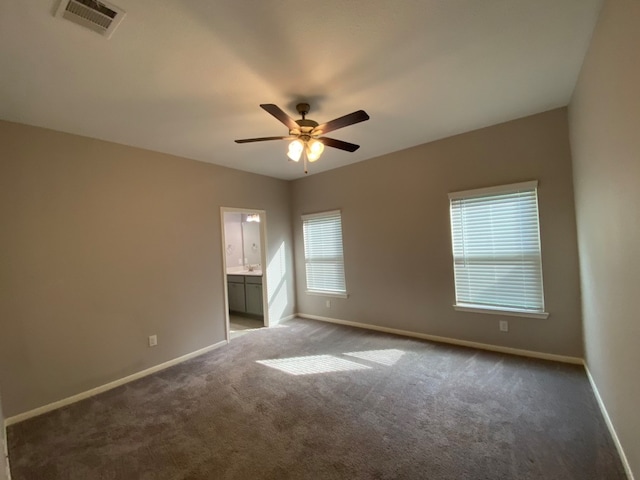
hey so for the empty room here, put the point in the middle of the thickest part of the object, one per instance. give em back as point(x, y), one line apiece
point(319, 240)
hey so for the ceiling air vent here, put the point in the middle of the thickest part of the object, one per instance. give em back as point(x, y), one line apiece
point(101, 17)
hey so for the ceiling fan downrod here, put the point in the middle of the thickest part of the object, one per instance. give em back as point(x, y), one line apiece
point(303, 109)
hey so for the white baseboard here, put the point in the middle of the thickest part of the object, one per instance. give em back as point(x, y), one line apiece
point(5, 453)
point(452, 341)
point(108, 386)
point(612, 430)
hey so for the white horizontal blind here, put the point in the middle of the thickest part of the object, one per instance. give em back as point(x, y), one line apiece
point(496, 248)
point(323, 253)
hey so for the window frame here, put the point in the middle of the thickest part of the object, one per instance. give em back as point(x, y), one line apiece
point(329, 214)
point(497, 191)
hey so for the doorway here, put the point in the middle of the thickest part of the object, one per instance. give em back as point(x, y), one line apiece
point(244, 262)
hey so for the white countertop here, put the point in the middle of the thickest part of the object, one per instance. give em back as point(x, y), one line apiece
point(256, 272)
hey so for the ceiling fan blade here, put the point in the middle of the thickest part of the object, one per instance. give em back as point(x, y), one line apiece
point(332, 142)
point(350, 119)
point(277, 112)
point(262, 139)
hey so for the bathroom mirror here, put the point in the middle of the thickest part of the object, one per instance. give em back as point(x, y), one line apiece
point(242, 236)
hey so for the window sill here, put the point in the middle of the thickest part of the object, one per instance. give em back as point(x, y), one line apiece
point(327, 294)
point(497, 311)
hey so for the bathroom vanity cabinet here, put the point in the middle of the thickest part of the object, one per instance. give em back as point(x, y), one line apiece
point(245, 294)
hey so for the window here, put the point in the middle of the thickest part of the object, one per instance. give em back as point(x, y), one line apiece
point(324, 262)
point(496, 250)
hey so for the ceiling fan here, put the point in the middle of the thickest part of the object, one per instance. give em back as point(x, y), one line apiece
point(306, 134)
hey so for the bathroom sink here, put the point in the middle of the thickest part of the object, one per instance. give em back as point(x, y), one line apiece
point(244, 271)
point(255, 271)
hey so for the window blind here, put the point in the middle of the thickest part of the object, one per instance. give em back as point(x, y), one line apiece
point(323, 255)
point(496, 248)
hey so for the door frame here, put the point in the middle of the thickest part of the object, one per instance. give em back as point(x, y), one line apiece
point(263, 263)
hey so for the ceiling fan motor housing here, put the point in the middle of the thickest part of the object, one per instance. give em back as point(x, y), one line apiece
point(306, 126)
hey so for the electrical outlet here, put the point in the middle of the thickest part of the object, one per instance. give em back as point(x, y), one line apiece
point(328, 303)
point(153, 340)
point(504, 326)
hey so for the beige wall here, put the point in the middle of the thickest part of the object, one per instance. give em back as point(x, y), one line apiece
point(395, 214)
point(605, 139)
point(103, 245)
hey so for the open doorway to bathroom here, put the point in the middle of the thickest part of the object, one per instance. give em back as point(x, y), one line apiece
point(245, 279)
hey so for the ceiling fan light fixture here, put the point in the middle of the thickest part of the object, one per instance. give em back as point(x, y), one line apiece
point(314, 150)
point(295, 150)
point(306, 134)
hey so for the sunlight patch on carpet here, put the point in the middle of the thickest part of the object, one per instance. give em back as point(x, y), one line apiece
point(386, 357)
point(312, 364)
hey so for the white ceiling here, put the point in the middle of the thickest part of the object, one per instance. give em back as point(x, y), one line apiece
point(186, 77)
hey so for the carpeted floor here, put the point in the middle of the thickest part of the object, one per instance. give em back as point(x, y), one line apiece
point(309, 400)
